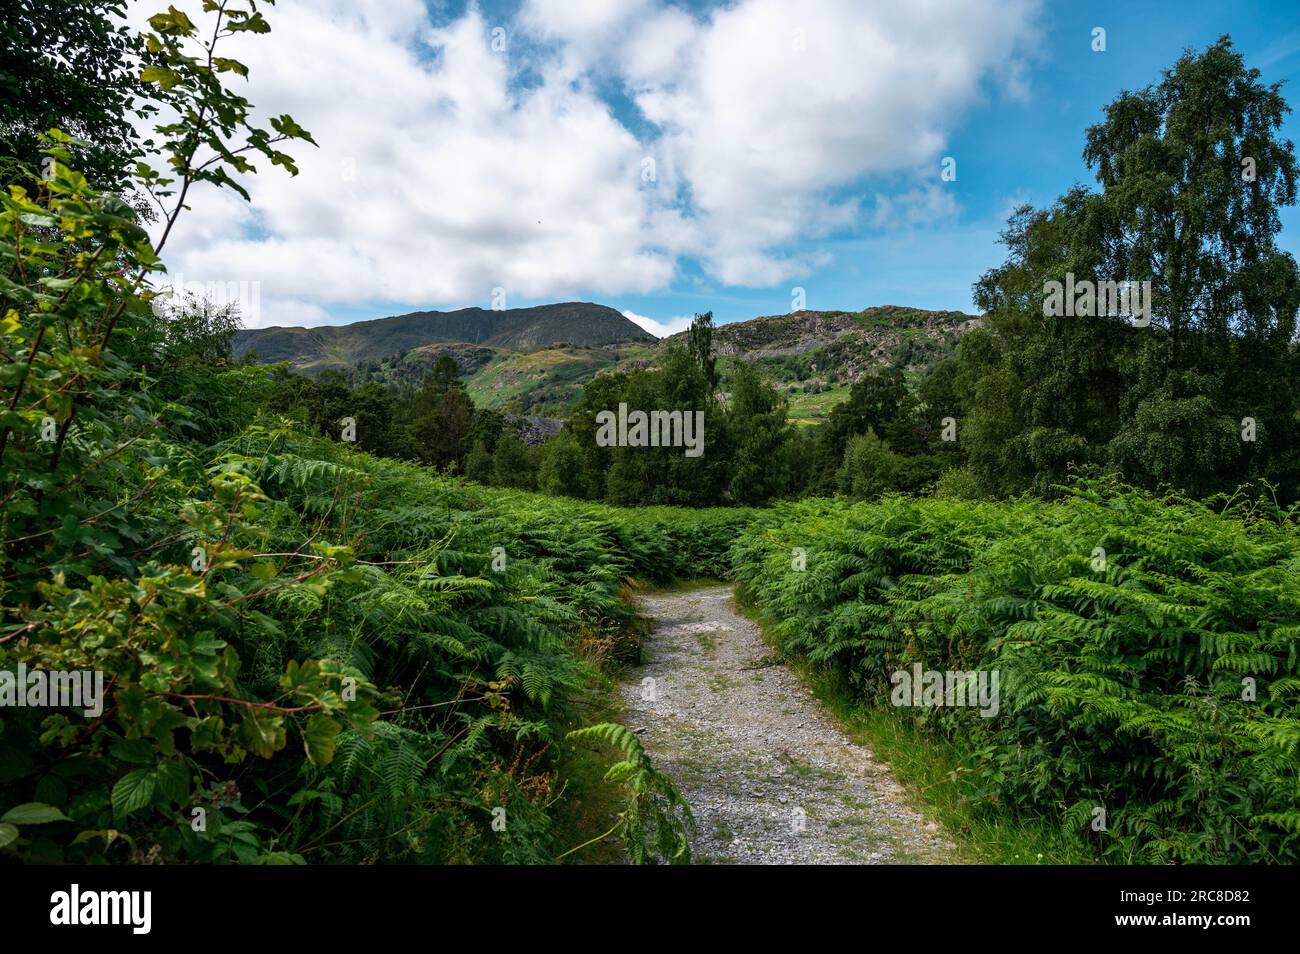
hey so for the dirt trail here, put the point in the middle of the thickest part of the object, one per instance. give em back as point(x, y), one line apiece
point(770, 775)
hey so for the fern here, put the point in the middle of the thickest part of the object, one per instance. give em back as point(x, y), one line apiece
point(657, 823)
point(1121, 685)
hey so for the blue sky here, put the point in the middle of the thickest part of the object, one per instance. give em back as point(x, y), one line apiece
point(816, 169)
point(1022, 151)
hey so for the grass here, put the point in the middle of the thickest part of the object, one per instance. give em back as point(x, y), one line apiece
point(588, 805)
point(550, 379)
point(516, 374)
point(815, 408)
point(934, 775)
point(801, 769)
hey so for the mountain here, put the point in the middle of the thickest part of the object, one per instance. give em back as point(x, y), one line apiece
point(814, 357)
point(535, 361)
point(312, 350)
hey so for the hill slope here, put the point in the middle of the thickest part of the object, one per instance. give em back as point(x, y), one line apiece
point(816, 356)
point(841, 346)
point(547, 381)
point(312, 350)
point(813, 356)
point(536, 360)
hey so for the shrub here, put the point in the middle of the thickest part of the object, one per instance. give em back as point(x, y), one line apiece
point(1147, 647)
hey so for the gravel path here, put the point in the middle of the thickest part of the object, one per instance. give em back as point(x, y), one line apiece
point(769, 774)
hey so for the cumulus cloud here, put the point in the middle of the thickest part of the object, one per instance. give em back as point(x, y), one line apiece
point(448, 168)
point(594, 31)
point(918, 207)
point(435, 182)
point(780, 105)
point(660, 329)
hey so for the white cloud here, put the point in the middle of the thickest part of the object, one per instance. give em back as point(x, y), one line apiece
point(440, 177)
point(660, 329)
point(783, 104)
point(590, 31)
point(919, 207)
point(433, 183)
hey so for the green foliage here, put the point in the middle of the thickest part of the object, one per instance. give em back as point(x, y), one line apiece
point(441, 426)
point(486, 430)
point(194, 331)
point(870, 468)
point(561, 471)
point(514, 464)
point(65, 64)
point(311, 653)
point(478, 465)
point(1170, 161)
point(102, 506)
point(657, 822)
point(307, 654)
point(699, 344)
point(956, 484)
point(484, 663)
point(435, 423)
point(747, 457)
point(1123, 627)
point(1045, 396)
point(761, 461)
point(876, 403)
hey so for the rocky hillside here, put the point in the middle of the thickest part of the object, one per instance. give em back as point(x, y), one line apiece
point(840, 346)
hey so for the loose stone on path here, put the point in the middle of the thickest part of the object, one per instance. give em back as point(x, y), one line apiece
point(769, 774)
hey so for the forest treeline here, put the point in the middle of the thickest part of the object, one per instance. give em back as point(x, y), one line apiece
point(1199, 396)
